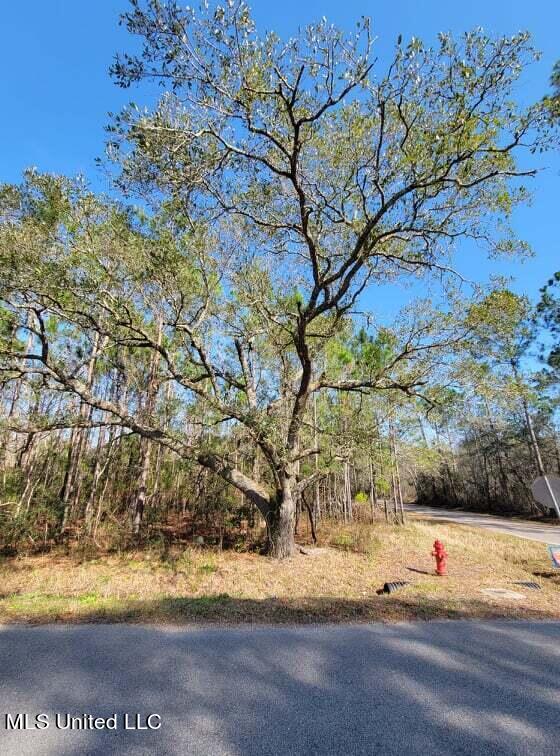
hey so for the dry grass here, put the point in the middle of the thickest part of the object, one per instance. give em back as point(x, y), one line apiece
point(336, 583)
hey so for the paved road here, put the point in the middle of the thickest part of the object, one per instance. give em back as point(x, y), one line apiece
point(427, 688)
point(533, 531)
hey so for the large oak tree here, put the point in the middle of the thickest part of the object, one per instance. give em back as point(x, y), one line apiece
point(280, 179)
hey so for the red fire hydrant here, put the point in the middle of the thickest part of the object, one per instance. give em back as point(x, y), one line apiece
point(440, 554)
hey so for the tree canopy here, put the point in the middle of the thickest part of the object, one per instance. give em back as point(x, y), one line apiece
point(276, 181)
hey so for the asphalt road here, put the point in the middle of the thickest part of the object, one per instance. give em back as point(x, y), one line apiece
point(425, 688)
point(533, 531)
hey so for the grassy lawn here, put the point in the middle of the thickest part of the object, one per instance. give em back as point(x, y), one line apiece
point(336, 582)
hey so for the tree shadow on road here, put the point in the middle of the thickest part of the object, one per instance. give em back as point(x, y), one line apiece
point(435, 688)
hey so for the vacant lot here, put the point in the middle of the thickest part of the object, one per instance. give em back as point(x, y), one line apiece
point(335, 582)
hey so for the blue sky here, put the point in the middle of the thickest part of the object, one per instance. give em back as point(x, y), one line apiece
point(56, 93)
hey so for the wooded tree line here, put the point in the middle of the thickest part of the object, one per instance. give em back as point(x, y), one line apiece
point(194, 353)
point(501, 426)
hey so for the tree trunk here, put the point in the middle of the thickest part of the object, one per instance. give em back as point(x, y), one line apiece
point(311, 516)
point(317, 501)
point(279, 511)
point(78, 443)
point(398, 484)
point(140, 501)
point(372, 492)
point(282, 522)
point(68, 477)
point(533, 438)
point(145, 443)
point(96, 478)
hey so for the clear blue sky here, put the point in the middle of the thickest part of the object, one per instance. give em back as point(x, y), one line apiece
point(56, 93)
